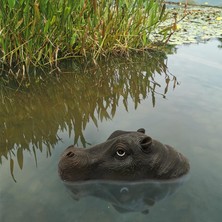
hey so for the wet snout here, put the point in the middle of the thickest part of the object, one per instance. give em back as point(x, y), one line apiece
point(75, 156)
point(73, 162)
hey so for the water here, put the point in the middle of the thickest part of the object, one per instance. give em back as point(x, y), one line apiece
point(203, 2)
point(181, 107)
point(137, 196)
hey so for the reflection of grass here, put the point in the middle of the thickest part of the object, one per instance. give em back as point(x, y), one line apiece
point(32, 119)
point(220, 40)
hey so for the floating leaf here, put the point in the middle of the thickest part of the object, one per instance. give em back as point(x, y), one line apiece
point(219, 18)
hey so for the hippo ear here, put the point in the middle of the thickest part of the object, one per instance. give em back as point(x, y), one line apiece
point(146, 144)
point(141, 130)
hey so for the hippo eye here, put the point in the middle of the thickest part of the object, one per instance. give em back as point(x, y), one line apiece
point(121, 152)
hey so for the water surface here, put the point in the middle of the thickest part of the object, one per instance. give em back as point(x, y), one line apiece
point(180, 105)
point(203, 2)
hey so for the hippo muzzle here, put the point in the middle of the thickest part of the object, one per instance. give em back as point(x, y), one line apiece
point(123, 156)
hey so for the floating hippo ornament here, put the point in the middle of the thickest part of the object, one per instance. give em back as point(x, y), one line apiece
point(124, 156)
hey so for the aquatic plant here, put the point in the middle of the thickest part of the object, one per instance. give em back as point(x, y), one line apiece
point(196, 24)
point(36, 33)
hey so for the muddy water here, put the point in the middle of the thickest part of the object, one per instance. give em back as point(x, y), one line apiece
point(177, 99)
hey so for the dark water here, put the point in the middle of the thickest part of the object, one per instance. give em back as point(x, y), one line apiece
point(180, 106)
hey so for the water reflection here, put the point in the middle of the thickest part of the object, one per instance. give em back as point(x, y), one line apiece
point(126, 196)
point(31, 118)
point(220, 41)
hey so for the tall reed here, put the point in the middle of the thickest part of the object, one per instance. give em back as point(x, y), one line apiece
point(36, 33)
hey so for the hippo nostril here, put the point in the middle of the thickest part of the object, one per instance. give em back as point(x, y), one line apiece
point(70, 154)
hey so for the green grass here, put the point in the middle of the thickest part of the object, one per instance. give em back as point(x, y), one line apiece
point(40, 33)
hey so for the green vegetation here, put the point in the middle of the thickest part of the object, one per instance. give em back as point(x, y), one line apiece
point(37, 33)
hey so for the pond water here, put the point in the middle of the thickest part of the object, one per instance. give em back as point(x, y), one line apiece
point(180, 105)
point(203, 2)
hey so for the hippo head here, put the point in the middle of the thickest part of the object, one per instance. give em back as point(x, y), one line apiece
point(124, 156)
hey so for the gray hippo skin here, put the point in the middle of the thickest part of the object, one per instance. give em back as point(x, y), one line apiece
point(124, 156)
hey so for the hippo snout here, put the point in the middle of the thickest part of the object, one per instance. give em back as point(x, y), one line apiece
point(74, 164)
point(75, 157)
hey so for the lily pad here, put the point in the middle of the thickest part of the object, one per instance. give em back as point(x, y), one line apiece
point(193, 25)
